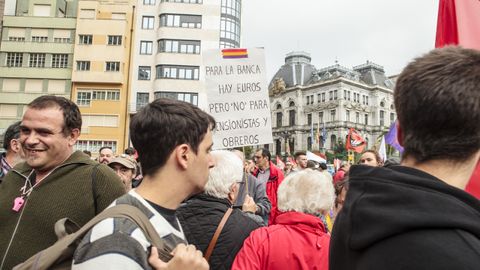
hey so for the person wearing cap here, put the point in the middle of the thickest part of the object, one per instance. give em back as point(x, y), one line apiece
point(125, 167)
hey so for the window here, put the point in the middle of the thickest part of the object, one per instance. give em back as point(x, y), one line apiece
point(333, 142)
point(382, 118)
point(112, 66)
point(278, 147)
point(149, 2)
point(84, 98)
point(291, 117)
point(114, 40)
point(16, 38)
point(144, 73)
point(332, 115)
point(183, 96)
point(335, 94)
point(85, 39)
point(366, 103)
point(146, 47)
point(320, 117)
point(179, 46)
point(111, 95)
point(308, 100)
point(330, 95)
point(61, 40)
point(148, 22)
point(83, 65)
point(366, 119)
point(177, 72)
point(357, 117)
point(309, 119)
point(323, 97)
point(392, 118)
point(59, 60)
point(99, 120)
point(14, 59)
point(142, 100)
point(348, 95)
point(39, 39)
point(347, 115)
point(230, 29)
point(94, 145)
point(279, 119)
point(86, 13)
point(37, 60)
point(41, 10)
point(184, 21)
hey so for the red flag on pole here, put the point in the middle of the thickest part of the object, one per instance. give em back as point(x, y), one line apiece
point(354, 141)
point(459, 24)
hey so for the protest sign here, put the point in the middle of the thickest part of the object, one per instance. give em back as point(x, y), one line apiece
point(237, 97)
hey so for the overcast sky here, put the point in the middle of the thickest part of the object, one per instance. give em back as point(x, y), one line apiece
point(387, 32)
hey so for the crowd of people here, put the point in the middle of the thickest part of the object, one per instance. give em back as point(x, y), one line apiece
point(221, 210)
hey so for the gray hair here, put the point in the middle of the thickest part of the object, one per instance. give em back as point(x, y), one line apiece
point(306, 191)
point(227, 171)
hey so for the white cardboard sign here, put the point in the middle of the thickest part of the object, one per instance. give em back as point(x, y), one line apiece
point(237, 96)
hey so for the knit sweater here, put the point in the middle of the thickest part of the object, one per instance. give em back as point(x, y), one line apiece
point(67, 192)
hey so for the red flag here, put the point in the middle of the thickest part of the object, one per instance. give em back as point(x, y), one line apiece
point(280, 163)
point(459, 23)
point(355, 142)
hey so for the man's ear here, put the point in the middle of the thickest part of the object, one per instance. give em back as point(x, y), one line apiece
point(15, 145)
point(73, 137)
point(233, 191)
point(399, 134)
point(182, 155)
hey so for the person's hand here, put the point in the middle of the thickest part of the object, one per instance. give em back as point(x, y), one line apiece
point(249, 205)
point(184, 257)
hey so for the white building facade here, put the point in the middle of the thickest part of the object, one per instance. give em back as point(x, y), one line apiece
point(333, 99)
point(169, 38)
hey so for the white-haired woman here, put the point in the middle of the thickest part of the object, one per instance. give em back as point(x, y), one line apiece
point(299, 239)
point(201, 214)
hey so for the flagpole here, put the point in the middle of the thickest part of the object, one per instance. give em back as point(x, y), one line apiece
point(246, 174)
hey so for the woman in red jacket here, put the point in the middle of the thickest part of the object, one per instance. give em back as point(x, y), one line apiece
point(299, 239)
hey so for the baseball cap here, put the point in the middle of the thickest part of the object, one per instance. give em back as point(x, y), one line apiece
point(126, 161)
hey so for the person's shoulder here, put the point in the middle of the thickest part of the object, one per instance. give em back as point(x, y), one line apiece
point(112, 240)
point(424, 249)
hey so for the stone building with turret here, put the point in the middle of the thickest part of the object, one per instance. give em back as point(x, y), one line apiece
point(328, 101)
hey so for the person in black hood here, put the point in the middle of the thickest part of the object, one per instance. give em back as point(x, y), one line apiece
point(417, 215)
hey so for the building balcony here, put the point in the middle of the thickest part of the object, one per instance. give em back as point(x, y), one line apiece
point(98, 76)
point(36, 47)
point(36, 73)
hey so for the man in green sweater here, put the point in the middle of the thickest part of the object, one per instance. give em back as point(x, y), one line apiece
point(54, 182)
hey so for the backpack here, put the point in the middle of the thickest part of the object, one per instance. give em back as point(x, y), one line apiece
point(60, 255)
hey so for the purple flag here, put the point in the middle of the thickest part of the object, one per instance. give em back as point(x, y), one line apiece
point(391, 137)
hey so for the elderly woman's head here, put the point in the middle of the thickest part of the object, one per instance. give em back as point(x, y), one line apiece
point(223, 178)
point(307, 191)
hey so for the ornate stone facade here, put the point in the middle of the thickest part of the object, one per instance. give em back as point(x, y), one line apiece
point(333, 99)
